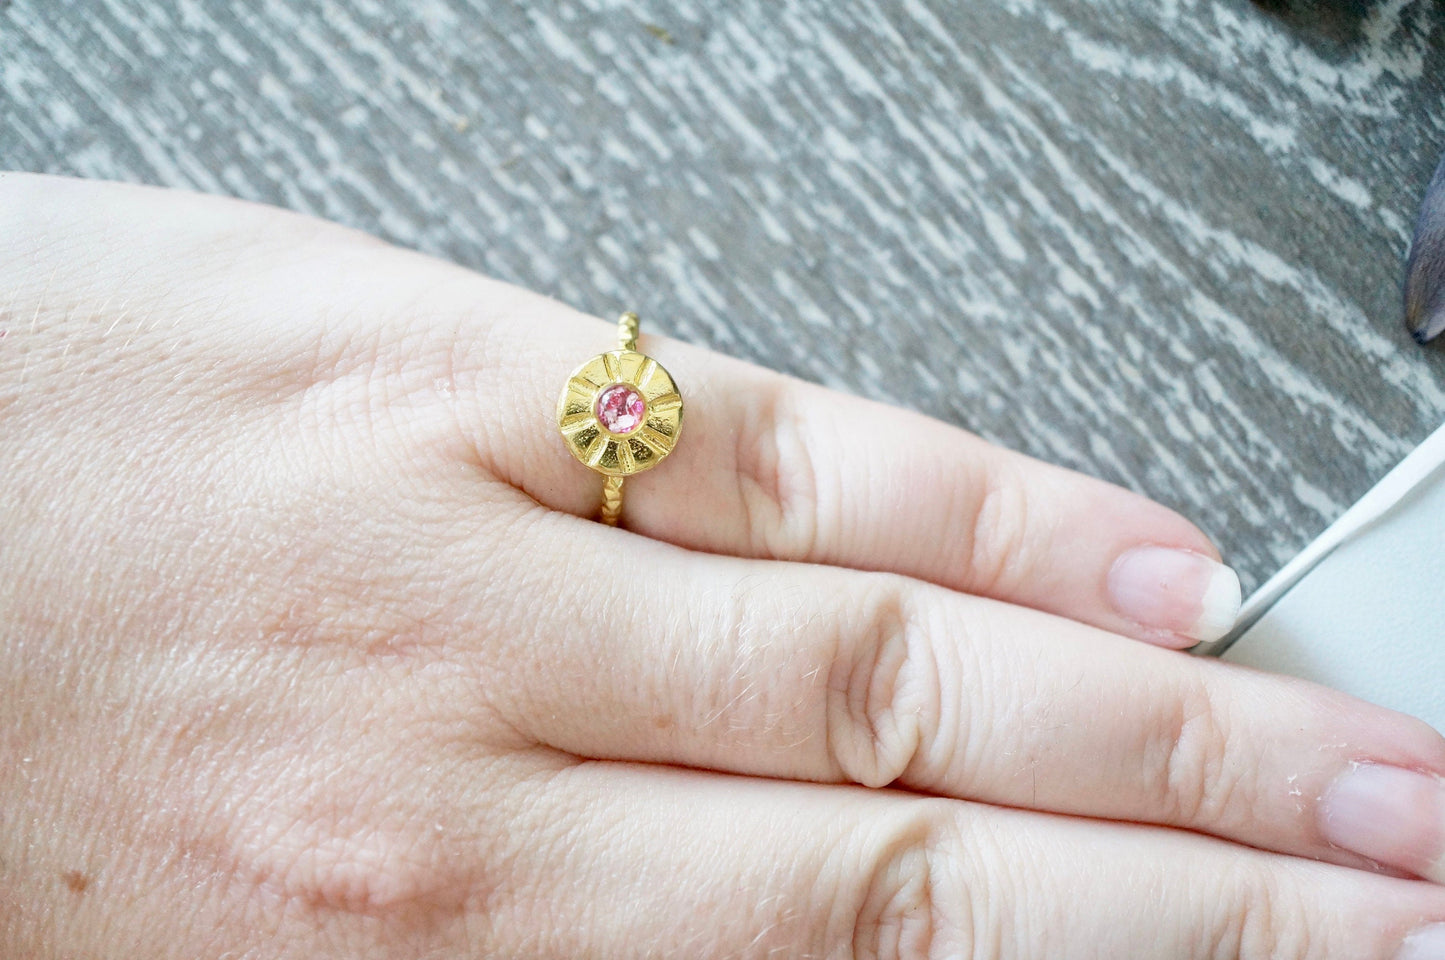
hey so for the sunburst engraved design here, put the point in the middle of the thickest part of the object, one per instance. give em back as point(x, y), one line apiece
point(620, 454)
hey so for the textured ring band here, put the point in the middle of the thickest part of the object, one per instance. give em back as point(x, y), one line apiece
point(620, 414)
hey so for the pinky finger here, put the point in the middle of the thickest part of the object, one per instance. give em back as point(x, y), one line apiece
point(658, 862)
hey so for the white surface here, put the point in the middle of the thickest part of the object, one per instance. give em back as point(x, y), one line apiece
point(1416, 469)
point(1369, 617)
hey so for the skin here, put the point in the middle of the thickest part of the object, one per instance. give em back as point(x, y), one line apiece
point(310, 649)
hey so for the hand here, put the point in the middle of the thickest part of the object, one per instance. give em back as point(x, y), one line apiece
point(310, 650)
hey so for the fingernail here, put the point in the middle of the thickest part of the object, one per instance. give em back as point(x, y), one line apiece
point(1426, 943)
point(1425, 268)
point(1175, 590)
point(1392, 816)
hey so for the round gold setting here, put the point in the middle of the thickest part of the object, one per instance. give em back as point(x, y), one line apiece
point(626, 453)
point(620, 414)
point(640, 443)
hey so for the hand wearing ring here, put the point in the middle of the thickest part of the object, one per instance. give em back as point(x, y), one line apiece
point(312, 648)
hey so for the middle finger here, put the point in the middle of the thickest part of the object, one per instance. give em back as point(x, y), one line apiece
point(638, 650)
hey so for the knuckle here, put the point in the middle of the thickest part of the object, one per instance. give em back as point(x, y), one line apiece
point(910, 905)
point(349, 842)
point(1195, 779)
point(777, 477)
point(1000, 549)
point(878, 698)
point(1262, 918)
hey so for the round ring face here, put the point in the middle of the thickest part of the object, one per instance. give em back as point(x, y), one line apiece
point(620, 413)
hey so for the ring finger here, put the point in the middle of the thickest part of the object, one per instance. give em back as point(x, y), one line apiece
point(776, 468)
point(768, 466)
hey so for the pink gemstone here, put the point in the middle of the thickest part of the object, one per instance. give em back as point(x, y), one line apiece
point(620, 408)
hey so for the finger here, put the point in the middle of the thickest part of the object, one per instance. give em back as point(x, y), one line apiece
point(767, 467)
point(637, 650)
point(655, 862)
point(772, 467)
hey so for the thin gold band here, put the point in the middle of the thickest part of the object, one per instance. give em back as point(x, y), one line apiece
point(611, 500)
point(627, 327)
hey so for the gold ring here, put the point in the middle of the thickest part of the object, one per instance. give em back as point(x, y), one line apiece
point(620, 414)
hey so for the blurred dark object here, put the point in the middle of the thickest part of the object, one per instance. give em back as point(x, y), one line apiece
point(1332, 23)
point(1425, 270)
